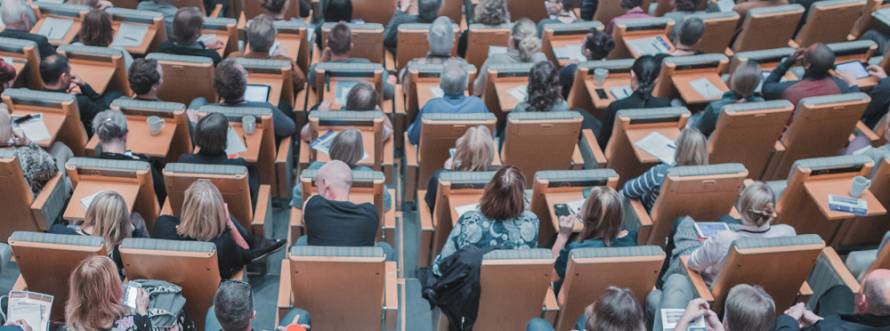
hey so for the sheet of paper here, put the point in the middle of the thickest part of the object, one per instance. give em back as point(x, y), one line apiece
point(621, 92)
point(32, 307)
point(658, 145)
point(726, 5)
point(437, 91)
point(86, 201)
point(710, 229)
point(570, 52)
point(670, 317)
point(207, 38)
point(35, 129)
point(323, 143)
point(518, 92)
point(465, 208)
point(234, 144)
point(55, 28)
point(343, 87)
point(853, 68)
point(706, 89)
point(492, 50)
point(130, 35)
point(649, 45)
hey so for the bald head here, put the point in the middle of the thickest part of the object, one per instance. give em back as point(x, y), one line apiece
point(820, 59)
point(876, 289)
point(334, 180)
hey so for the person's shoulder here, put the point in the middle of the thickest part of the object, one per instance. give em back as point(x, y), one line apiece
point(528, 216)
point(783, 230)
point(60, 228)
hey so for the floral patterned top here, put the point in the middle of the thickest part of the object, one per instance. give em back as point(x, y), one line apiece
point(474, 228)
point(37, 165)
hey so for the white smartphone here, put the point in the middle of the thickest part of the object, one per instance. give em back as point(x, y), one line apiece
point(132, 293)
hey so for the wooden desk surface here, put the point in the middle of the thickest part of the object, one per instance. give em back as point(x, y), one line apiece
point(461, 199)
point(507, 101)
point(53, 121)
point(274, 82)
point(290, 43)
point(367, 142)
point(17, 63)
point(681, 83)
point(552, 198)
point(633, 51)
point(139, 140)
point(69, 36)
point(563, 41)
point(635, 135)
point(86, 187)
point(611, 81)
point(818, 190)
point(97, 74)
point(252, 142)
point(222, 36)
point(150, 34)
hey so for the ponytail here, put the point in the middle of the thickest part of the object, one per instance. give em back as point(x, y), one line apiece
point(646, 69)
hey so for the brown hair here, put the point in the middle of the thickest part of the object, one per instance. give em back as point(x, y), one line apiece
point(504, 196)
point(692, 148)
point(601, 215)
point(340, 39)
point(745, 78)
point(616, 310)
point(96, 29)
point(187, 25)
point(230, 80)
point(94, 295)
point(110, 218)
point(203, 212)
point(757, 204)
point(491, 12)
point(474, 151)
point(347, 147)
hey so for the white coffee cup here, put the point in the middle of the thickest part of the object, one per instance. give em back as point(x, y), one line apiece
point(248, 123)
point(154, 125)
point(860, 184)
point(600, 75)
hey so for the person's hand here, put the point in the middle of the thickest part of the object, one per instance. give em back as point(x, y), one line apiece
point(19, 136)
point(695, 309)
point(142, 302)
point(19, 323)
point(214, 44)
point(326, 55)
point(449, 164)
point(809, 318)
point(77, 80)
point(713, 321)
point(567, 224)
point(325, 105)
point(877, 71)
point(74, 88)
point(796, 311)
point(294, 322)
point(798, 54)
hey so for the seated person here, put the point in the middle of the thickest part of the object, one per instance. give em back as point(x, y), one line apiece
point(165, 7)
point(111, 128)
point(877, 153)
point(204, 217)
point(427, 11)
point(687, 38)
point(339, 45)
point(453, 83)
point(37, 165)
point(525, 47)
point(880, 97)
point(332, 11)
point(18, 19)
point(744, 7)
point(491, 13)
point(230, 81)
point(601, 216)
point(261, 34)
point(441, 41)
point(93, 4)
point(642, 80)
point(616, 309)
point(632, 10)
point(692, 150)
point(818, 61)
point(840, 309)
point(473, 151)
point(682, 9)
point(742, 86)
point(544, 91)
point(558, 11)
point(57, 77)
point(185, 38)
point(211, 138)
point(361, 97)
point(96, 304)
point(146, 78)
point(597, 46)
point(277, 8)
point(107, 217)
point(96, 30)
point(500, 221)
point(746, 308)
point(233, 310)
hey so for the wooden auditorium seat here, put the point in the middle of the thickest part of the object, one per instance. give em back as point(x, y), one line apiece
point(374, 11)
point(856, 51)
point(185, 77)
point(867, 230)
point(768, 59)
point(101, 67)
point(131, 179)
point(829, 21)
point(587, 95)
point(768, 27)
point(334, 80)
point(629, 30)
point(55, 14)
point(422, 85)
point(533, 10)
point(22, 210)
point(552, 187)
point(25, 58)
point(568, 39)
point(456, 189)
point(368, 123)
point(863, 261)
point(59, 111)
point(608, 10)
point(173, 114)
point(501, 80)
point(416, 35)
point(481, 37)
point(680, 74)
point(535, 141)
point(745, 133)
point(720, 28)
point(367, 40)
point(223, 29)
point(277, 74)
point(631, 125)
point(152, 22)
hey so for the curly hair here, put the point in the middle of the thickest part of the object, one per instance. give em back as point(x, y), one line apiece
point(230, 80)
point(599, 44)
point(544, 90)
point(492, 12)
point(96, 29)
point(143, 75)
point(273, 6)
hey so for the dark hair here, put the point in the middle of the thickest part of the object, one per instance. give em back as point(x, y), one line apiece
point(52, 68)
point(616, 309)
point(544, 89)
point(340, 39)
point(143, 75)
point(233, 305)
point(686, 5)
point(274, 6)
point(569, 5)
point(362, 96)
point(599, 44)
point(96, 29)
point(211, 133)
point(820, 58)
point(504, 196)
point(187, 25)
point(601, 214)
point(646, 69)
point(631, 4)
point(7, 73)
point(337, 10)
point(428, 10)
point(691, 31)
point(229, 80)
point(749, 308)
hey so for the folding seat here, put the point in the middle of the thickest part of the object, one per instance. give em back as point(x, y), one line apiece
point(215, 11)
point(175, 128)
point(632, 125)
point(768, 27)
point(252, 9)
point(416, 35)
point(533, 10)
point(587, 95)
point(276, 74)
point(223, 29)
point(745, 133)
point(293, 38)
point(131, 179)
point(374, 11)
point(452, 10)
point(456, 189)
point(46, 261)
point(58, 17)
point(868, 230)
point(185, 77)
point(334, 80)
point(506, 87)
point(829, 21)
point(856, 51)
point(24, 56)
point(368, 123)
point(695, 78)
point(334, 282)
point(861, 262)
point(481, 37)
point(719, 29)
point(564, 186)
point(646, 30)
point(420, 86)
point(367, 38)
point(567, 39)
point(536, 141)
point(873, 16)
point(23, 211)
point(608, 10)
point(101, 67)
point(59, 112)
point(152, 23)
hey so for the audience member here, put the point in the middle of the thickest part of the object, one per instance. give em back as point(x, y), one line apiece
point(185, 38)
point(682, 9)
point(473, 151)
point(643, 74)
point(544, 91)
point(96, 302)
point(840, 309)
point(427, 11)
point(261, 34)
point(632, 10)
point(616, 309)
point(361, 97)
point(441, 41)
point(746, 308)
point(742, 84)
point(524, 48)
point(333, 11)
point(818, 61)
point(146, 78)
point(687, 37)
point(111, 128)
point(18, 19)
point(57, 77)
point(96, 30)
point(278, 9)
point(338, 48)
point(487, 12)
point(880, 97)
point(453, 83)
point(37, 165)
point(558, 11)
point(233, 310)
point(597, 46)
point(879, 153)
point(692, 150)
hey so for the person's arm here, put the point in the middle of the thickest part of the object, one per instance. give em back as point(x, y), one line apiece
point(414, 129)
point(772, 87)
point(880, 97)
point(637, 187)
point(605, 133)
point(284, 125)
point(566, 224)
point(387, 128)
point(710, 253)
point(696, 309)
point(456, 240)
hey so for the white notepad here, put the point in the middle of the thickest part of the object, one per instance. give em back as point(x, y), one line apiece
point(130, 35)
point(658, 145)
point(671, 316)
point(492, 50)
point(437, 91)
point(705, 88)
point(726, 6)
point(86, 201)
point(519, 92)
point(575, 206)
point(55, 28)
point(570, 52)
point(465, 208)
point(234, 144)
point(35, 128)
point(649, 46)
point(343, 87)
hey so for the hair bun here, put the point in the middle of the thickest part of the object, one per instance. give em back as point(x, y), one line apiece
point(528, 47)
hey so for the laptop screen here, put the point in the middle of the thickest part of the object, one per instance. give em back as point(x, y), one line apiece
point(257, 93)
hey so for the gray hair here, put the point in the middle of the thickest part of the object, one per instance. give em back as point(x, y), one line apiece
point(441, 37)
point(12, 10)
point(110, 125)
point(233, 305)
point(261, 34)
point(876, 289)
point(454, 78)
point(749, 308)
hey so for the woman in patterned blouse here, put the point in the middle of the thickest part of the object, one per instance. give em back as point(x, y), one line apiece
point(38, 166)
point(500, 221)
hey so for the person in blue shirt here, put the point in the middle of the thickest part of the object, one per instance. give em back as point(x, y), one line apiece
point(454, 85)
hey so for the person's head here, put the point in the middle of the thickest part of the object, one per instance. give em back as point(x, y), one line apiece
point(474, 151)
point(685, 5)
point(334, 180)
point(453, 80)
point(504, 196)
point(757, 204)
point(187, 25)
point(428, 10)
point(544, 89)
point(818, 59)
point(7, 75)
point(96, 29)
point(525, 39)
point(875, 296)
point(55, 71)
point(340, 39)
point(17, 15)
point(616, 309)
point(204, 216)
point(692, 148)
point(601, 215)
point(211, 134)
point(274, 7)
point(691, 31)
point(146, 77)
point(233, 305)
point(745, 79)
point(598, 45)
point(644, 71)
point(491, 12)
point(749, 308)
point(261, 34)
point(348, 147)
point(337, 11)
point(109, 218)
point(230, 80)
point(111, 127)
point(630, 4)
point(362, 97)
point(96, 299)
point(441, 37)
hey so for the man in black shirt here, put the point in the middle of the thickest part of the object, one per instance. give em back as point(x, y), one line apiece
point(57, 77)
point(868, 310)
point(331, 219)
point(185, 39)
point(19, 19)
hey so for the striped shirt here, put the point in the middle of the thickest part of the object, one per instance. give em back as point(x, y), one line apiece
point(647, 186)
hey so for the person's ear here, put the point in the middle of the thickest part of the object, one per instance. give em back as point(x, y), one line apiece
point(861, 303)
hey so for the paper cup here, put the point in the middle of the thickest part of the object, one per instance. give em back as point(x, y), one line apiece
point(154, 125)
point(859, 185)
point(248, 123)
point(600, 75)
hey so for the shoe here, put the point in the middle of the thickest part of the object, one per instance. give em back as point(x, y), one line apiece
point(265, 247)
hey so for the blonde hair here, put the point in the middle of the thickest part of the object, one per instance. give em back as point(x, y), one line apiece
point(757, 204)
point(491, 12)
point(745, 78)
point(348, 147)
point(692, 148)
point(109, 217)
point(203, 212)
point(94, 295)
point(474, 150)
point(525, 39)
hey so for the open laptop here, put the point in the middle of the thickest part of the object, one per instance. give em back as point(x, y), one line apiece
point(257, 93)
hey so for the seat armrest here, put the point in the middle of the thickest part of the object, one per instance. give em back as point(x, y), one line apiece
point(19, 284)
point(864, 130)
point(167, 208)
point(389, 224)
point(263, 212)
point(590, 149)
point(391, 295)
point(636, 217)
point(701, 288)
point(411, 157)
point(412, 170)
point(284, 291)
point(284, 165)
point(304, 155)
point(49, 204)
point(805, 292)
point(828, 272)
point(295, 226)
point(398, 115)
point(427, 229)
point(551, 306)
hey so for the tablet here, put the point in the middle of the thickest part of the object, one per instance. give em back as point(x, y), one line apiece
point(710, 229)
point(854, 68)
point(257, 93)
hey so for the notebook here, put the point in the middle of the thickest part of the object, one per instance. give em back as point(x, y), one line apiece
point(621, 92)
point(130, 35)
point(518, 92)
point(257, 92)
point(55, 28)
point(34, 127)
point(31, 307)
point(570, 52)
point(658, 145)
point(234, 144)
point(649, 46)
point(671, 316)
point(706, 89)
